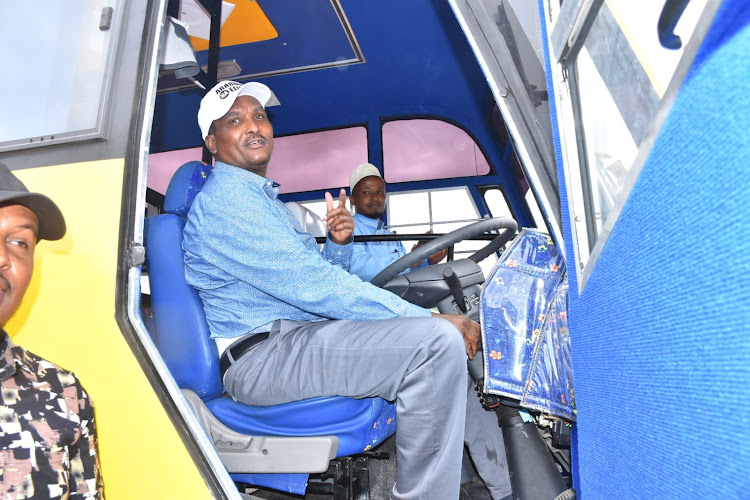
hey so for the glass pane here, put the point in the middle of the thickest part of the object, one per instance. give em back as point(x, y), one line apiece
point(162, 166)
point(304, 162)
point(496, 203)
point(319, 207)
point(317, 160)
point(443, 211)
point(418, 150)
point(622, 72)
point(59, 61)
point(536, 214)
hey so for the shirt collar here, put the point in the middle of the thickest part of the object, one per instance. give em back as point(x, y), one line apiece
point(7, 361)
point(271, 188)
point(366, 221)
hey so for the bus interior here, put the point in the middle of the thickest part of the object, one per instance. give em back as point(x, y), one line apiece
point(567, 153)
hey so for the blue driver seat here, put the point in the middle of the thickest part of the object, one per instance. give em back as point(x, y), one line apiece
point(273, 446)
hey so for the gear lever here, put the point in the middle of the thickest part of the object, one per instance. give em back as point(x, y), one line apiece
point(454, 285)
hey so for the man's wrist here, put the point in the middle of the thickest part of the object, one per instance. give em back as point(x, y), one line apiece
point(332, 240)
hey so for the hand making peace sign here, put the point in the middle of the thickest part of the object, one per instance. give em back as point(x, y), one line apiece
point(340, 221)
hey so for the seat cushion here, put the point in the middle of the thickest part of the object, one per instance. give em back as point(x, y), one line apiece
point(360, 424)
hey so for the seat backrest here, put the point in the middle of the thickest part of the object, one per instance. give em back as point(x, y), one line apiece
point(308, 219)
point(181, 332)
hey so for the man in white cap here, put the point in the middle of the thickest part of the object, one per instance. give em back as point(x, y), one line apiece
point(292, 323)
point(47, 431)
point(367, 189)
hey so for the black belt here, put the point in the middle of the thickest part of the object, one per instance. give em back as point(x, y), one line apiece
point(238, 349)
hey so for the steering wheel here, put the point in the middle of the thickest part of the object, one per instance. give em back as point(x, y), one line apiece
point(446, 240)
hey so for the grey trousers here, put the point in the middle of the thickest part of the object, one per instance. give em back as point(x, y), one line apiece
point(418, 362)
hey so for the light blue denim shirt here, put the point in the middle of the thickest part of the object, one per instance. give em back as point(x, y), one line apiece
point(252, 263)
point(369, 258)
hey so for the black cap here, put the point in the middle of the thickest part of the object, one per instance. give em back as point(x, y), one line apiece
point(51, 221)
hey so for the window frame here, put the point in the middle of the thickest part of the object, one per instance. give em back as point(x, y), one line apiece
point(567, 28)
point(104, 111)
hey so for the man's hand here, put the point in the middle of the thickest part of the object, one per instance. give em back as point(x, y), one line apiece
point(340, 221)
point(432, 259)
point(437, 256)
point(469, 330)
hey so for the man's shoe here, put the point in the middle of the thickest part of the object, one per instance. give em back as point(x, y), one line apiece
point(475, 490)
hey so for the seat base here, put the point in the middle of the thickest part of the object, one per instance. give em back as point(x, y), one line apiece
point(359, 424)
point(366, 475)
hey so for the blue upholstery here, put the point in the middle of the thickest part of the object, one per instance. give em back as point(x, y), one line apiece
point(186, 182)
point(349, 419)
point(181, 333)
point(525, 327)
point(182, 337)
point(660, 330)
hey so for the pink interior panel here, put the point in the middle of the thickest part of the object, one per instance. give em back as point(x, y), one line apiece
point(161, 166)
point(419, 149)
point(305, 162)
point(318, 160)
point(413, 150)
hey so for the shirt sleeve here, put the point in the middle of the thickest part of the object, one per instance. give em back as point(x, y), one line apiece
point(253, 239)
point(365, 264)
point(85, 472)
point(338, 255)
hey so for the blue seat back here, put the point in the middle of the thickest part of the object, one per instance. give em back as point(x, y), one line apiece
point(181, 332)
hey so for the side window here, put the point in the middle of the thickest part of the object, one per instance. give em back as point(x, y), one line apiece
point(304, 162)
point(497, 203)
point(423, 149)
point(498, 206)
point(536, 213)
point(70, 46)
point(440, 210)
point(317, 160)
point(318, 207)
point(622, 71)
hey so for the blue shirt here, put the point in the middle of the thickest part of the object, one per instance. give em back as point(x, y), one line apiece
point(369, 258)
point(252, 263)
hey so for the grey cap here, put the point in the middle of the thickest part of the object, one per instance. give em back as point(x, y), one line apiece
point(362, 171)
point(51, 221)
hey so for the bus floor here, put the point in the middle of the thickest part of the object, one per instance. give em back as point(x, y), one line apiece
point(382, 477)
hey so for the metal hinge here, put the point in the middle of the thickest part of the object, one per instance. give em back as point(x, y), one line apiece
point(136, 254)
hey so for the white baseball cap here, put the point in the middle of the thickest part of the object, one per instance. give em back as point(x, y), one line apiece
point(362, 171)
point(221, 97)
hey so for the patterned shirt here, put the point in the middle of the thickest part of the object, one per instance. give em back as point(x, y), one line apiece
point(252, 263)
point(369, 258)
point(47, 431)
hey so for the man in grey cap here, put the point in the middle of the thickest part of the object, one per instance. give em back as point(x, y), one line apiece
point(47, 432)
point(291, 323)
point(367, 189)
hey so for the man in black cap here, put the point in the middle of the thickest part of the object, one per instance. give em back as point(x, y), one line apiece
point(47, 432)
